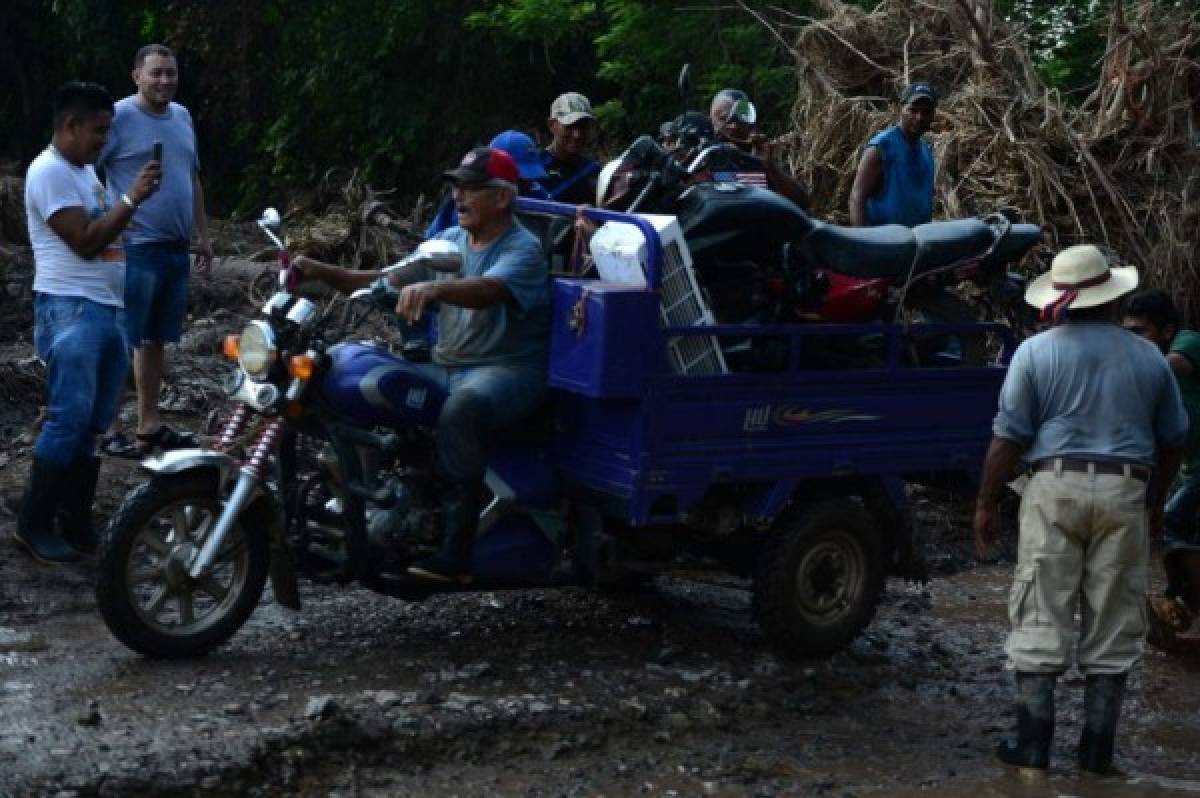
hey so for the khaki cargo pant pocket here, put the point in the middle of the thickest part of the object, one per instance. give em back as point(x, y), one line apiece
point(1035, 643)
point(1022, 599)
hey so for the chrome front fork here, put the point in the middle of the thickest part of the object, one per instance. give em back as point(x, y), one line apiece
point(251, 476)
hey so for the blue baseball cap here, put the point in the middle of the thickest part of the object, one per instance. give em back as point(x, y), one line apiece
point(524, 151)
point(918, 91)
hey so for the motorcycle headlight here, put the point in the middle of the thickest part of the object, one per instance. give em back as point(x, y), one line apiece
point(257, 350)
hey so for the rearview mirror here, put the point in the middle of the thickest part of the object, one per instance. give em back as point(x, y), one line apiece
point(685, 86)
point(270, 222)
point(436, 254)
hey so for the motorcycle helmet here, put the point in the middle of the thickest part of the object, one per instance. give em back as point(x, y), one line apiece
point(686, 135)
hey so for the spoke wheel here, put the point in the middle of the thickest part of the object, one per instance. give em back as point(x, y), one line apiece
point(145, 593)
point(818, 583)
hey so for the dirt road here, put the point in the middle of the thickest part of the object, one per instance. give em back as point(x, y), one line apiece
point(667, 692)
point(670, 691)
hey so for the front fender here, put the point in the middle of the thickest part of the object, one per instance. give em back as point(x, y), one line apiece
point(177, 461)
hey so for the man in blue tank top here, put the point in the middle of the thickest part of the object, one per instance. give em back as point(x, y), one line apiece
point(894, 182)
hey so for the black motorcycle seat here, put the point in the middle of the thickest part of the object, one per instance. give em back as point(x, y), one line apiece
point(885, 251)
point(1019, 239)
point(889, 250)
point(943, 243)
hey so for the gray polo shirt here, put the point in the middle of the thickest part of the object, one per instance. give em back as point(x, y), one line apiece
point(1093, 391)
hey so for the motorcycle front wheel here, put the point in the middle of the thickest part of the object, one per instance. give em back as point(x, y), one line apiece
point(144, 591)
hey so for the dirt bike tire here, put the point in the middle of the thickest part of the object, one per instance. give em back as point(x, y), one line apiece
point(833, 548)
point(131, 528)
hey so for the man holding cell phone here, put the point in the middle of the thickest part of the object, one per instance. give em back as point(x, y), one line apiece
point(150, 126)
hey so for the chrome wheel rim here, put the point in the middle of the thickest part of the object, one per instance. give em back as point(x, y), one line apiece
point(829, 578)
point(161, 592)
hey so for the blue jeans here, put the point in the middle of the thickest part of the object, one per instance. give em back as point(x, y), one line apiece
point(87, 360)
point(1179, 518)
point(156, 292)
point(481, 399)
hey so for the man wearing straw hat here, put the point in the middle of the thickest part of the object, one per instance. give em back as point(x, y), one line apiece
point(1096, 416)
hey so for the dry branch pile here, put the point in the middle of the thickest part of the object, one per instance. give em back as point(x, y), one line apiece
point(1119, 170)
point(345, 221)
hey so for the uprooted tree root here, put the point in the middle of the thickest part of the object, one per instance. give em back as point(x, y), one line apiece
point(1121, 170)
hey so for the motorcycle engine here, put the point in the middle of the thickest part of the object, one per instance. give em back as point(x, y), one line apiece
point(403, 521)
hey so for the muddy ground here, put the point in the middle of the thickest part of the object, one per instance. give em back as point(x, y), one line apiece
point(669, 691)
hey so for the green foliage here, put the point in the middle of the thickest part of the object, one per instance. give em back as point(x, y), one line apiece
point(1066, 38)
point(284, 92)
point(547, 21)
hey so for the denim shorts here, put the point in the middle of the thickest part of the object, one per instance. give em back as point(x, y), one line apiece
point(87, 360)
point(156, 292)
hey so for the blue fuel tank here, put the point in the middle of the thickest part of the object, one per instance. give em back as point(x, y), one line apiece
point(369, 385)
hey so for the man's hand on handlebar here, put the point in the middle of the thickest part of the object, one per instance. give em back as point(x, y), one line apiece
point(415, 298)
point(309, 270)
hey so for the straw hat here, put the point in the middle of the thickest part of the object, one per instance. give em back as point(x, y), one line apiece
point(1079, 277)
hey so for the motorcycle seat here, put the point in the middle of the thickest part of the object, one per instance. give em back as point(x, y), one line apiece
point(1016, 242)
point(942, 243)
point(885, 251)
point(889, 250)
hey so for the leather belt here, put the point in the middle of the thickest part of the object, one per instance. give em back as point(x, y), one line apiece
point(1138, 472)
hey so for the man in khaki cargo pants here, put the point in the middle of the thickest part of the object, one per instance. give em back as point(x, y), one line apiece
point(1096, 415)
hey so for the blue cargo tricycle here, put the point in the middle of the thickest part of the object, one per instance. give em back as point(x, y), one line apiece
point(656, 450)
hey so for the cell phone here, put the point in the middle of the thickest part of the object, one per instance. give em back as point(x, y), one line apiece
point(156, 153)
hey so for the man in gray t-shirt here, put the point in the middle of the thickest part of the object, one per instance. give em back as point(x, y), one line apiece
point(159, 239)
point(493, 339)
point(1096, 415)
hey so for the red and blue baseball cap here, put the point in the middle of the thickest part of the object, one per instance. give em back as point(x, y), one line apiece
point(524, 151)
point(485, 167)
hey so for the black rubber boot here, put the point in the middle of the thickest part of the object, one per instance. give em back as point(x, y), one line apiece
point(75, 510)
point(460, 517)
point(35, 523)
point(1102, 696)
point(1035, 722)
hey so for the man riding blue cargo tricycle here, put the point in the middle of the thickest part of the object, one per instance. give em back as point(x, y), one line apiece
point(658, 440)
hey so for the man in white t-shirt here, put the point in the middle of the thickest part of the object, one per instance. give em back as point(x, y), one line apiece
point(79, 279)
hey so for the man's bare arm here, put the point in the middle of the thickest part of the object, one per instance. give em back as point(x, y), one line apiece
point(867, 180)
point(1165, 470)
point(88, 237)
point(469, 292)
point(1180, 365)
point(787, 185)
point(345, 281)
point(998, 466)
point(200, 219)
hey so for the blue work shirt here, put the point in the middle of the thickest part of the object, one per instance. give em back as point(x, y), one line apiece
point(516, 332)
point(1092, 391)
point(907, 194)
point(167, 214)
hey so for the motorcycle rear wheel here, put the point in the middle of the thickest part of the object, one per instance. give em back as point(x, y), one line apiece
point(143, 590)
